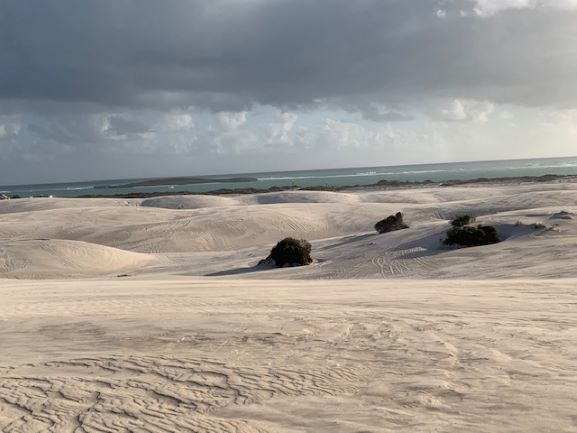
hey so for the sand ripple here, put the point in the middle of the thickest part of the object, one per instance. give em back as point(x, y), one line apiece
point(151, 393)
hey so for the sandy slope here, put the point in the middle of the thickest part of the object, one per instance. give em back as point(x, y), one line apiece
point(45, 258)
point(241, 356)
point(203, 235)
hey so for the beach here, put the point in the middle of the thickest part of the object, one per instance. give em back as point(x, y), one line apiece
point(153, 315)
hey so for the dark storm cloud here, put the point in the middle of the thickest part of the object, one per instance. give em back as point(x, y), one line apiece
point(230, 54)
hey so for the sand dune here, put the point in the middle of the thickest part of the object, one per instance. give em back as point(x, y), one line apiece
point(43, 204)
point(159, 230)
point(189, 202)
point(207, 235)
point(279, 356)
point(204, 201)
point(44, 258)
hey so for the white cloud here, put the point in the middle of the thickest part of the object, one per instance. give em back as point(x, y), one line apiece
point(9, 129)
point(180, 122)
point(459, 110)
point(232, 120)
point(490, 7)
point(455, 111)
point(280, 131)
point(486, 8)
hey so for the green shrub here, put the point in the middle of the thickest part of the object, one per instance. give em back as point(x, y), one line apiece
point(391, 224)
point(463, 220)
point(472, 236)
point(291, 252)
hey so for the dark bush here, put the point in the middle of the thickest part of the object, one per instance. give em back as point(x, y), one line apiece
point(472, 236)
point(291, 252)
point(391, 224)
point(463, 220)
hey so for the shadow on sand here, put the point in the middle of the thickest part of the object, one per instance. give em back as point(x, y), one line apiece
point(349, 240)
point(256, 268)
point(240, 271)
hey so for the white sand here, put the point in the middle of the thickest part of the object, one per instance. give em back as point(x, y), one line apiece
point(200, 235)
point(400, 334)
point(284, 356)
point(58, 258)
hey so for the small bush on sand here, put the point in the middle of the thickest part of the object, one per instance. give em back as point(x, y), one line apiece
point(290, 252)
point(463, 220)
point(472, 236)
point(391, 224)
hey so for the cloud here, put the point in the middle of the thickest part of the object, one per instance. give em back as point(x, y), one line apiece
point(98, 87)
point(123, 126)
point(9, 129)
point(281, 129)
point(487, 8)
point(230, 55)
point(464, 110)
point(231, 121)
point(179, 122)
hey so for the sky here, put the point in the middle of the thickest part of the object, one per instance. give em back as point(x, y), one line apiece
point(100, 89)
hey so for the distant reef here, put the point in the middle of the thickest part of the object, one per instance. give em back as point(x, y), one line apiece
point(221, 191)
point(170, 181)
point(381, 185)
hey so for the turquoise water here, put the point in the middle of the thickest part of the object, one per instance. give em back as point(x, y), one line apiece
point(333, 177)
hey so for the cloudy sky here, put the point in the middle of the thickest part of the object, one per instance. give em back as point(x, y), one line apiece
point(98, 89)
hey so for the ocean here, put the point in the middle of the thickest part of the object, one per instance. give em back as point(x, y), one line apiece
point(325, 177)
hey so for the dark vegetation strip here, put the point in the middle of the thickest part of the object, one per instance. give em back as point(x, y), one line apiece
point(381, 185)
